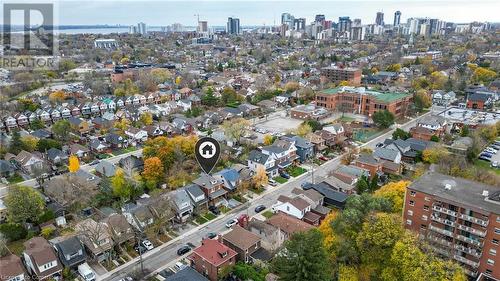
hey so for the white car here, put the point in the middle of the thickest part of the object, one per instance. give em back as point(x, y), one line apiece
point(491, 150)
point(147, 244)
point(494, 164)
point(86, 272)
point(231, 223)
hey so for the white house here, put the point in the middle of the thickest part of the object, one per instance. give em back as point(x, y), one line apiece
point(296, 207)
point(185, 104)
point(258, 159)
point(137, 134)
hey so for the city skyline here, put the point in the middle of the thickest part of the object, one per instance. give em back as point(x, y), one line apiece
point(216, 13)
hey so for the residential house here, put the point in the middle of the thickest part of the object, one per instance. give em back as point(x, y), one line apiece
point(116, 141)
point(288, 225)
point(70, 251)
point(410, 149)
point(271, 237)
point(479, 101)
point(154, 130)
point(330, 139)
point(137, 135)
point(182, 205)
point(29, 162)
point(79, 125)
point(185, 274)
point(283, 151)
point(198, 198)
point(10, 123)
point(350, 174)
point(319, 144)
point(6, 169)
point(56, 156)
point(337, 185)
point(212, 187)
point(305, 149)
point(230, 178)
point(258, 159)
point(98, 146)
point(96, 238)
point(332, 197)
point(184, 104)
point(429, 126)
point(22, 120)
point(121, 231)
point(244, 242)
point(296, 207)
point(42, 134)
point(139, 216)
point(12, 268)
point(41, 260)
point(209, 258)
point(78, 150)
point(131, 164)
point(105, 169)
point(441, 98)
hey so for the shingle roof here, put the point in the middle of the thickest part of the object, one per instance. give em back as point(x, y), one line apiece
point(241, 237)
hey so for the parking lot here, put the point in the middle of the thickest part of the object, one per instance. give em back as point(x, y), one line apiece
point(274, 126)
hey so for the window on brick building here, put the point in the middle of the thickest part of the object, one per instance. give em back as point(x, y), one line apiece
point(410, 213)
point(412, 203)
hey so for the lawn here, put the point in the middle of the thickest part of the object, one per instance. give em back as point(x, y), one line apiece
point(267, 214)
point(345, 119)
point(318, 162)
point(125, 150)
point(486, 165)
point(257, 190)
point(224, 209)
point(296, 171)
point(200, 220)
point(279, 179)
point(209, 216)
point(16, 178)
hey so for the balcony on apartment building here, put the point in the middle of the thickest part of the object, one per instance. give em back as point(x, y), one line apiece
point(474, 220)
point(469, 240)
point(441, 251)
point(441, 230)
point(474, 252)
point(435, 217)
point(466, 261)
point(470, 272)
point(439, 240)
point(444, 210)
point(472, 230)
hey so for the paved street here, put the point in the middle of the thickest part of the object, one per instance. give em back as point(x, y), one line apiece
point(166, 254)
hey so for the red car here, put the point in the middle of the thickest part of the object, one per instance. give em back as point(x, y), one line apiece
point(323, 158)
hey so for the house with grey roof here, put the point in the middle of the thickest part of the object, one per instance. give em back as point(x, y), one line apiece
point(198, 199)
point(212, 187)
point(258, 159)
point(70, 251)
point(6, 169)
point(387, 154)
point(181, 205)
point(230, 178)
point(305, 149)
point(56, 156)
point(105, 169)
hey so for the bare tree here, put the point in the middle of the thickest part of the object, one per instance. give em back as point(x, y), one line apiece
point(163, 212)
point(97, 236)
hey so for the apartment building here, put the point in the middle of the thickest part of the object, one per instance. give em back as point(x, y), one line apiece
point(363, 101)
point(338, 74)
point(459, 218)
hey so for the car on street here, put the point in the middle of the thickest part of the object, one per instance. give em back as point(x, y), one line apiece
point(285, 175)
point(306, 185)
point(127, 278)
point(140, 249)
point(183, 250)
point(272, 182)
point(95, 162)
point(211, 235)
point(147, 244)
point(214, 209)
point(231, 223)
point(380, 144)
point(260, 208)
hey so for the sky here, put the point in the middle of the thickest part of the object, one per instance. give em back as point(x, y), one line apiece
point(261, 12)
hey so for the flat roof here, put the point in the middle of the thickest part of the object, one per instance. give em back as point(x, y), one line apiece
point(380, 96)
point(462, 191)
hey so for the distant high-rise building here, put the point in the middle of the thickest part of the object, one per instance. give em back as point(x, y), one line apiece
point(356, 22)
point(141, 28)
point(288, 19)
point(397, 18)
point(299, 24)
point(132, 29)
point(344, 24)
point(202, 26)
point(319, 18)
point(379, 20)
point(425, 29)
point(233, 26)
point(433, 26)
point(327, 24)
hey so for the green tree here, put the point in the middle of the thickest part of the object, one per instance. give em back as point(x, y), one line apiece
point(303, 258)
point(121, 187)
point(315, 125)
point(383, 119)
point(421, 100)
point(37, 124)
point(24, 204)
point(16, 144)
point(209, 99)
point(61, 130)
point(464, 131)
point(46, 144)
point(400, 134)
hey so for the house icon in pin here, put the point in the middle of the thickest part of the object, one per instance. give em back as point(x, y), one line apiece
point(207, 149)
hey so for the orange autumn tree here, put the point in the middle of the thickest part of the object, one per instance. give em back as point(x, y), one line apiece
point(73, 164)
point(153, 171)
point(57, 96)
point(168, 150)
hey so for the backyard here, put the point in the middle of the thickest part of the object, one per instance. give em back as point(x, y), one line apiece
point(295, 171)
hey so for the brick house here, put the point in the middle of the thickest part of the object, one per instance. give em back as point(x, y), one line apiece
point(209, 258)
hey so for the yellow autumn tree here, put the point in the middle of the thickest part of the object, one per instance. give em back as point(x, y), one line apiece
point(146, 118)
point(260, 178)
point(178, 80)
point(57, 96)
point(153, 170)
point(394, 192)
point(74, 164)
point(348, 273)
point(328, 235)
point(432, 155)
point(303, 130)
point(268, 139)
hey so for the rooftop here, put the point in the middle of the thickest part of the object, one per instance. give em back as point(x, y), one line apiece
point(380, 96)
point(461, 191)
point(214, 252)
point(241, 237)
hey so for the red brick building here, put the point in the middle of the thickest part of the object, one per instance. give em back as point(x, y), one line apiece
point(479, 101)
point(363, 101)
point(209, 258)
point(338, 74)
point(459, 218)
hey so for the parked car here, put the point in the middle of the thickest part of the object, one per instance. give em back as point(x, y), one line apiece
point(127, 278)
point(495, 146)
point(86, 272)
point(485, 158)
point(486, 154)
point(380, 144)
point(214, 209)
point(306, 185)
point(95, 162)
point(231, 223)
point(323, 158)
point(284, 175)
point(140, 249)
point(490, 150)
point(147, 244)
point(183, 250)
point(272, 182)
point(494, 164)
point(260, 208)
point(211, 235)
